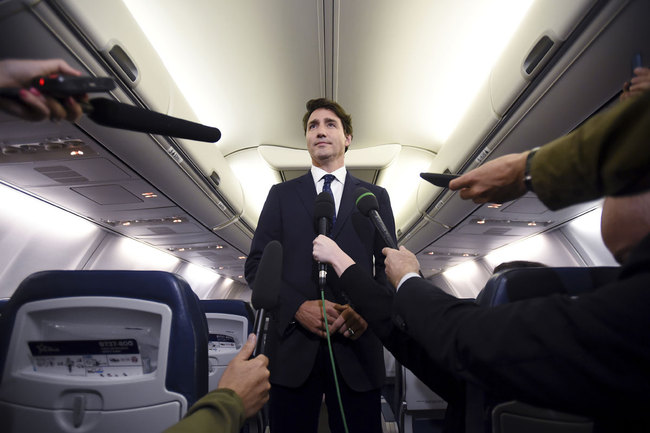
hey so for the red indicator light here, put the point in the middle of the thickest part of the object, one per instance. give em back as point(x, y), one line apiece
point(41, 82)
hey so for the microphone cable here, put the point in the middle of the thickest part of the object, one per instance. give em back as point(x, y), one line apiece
point(331, 352)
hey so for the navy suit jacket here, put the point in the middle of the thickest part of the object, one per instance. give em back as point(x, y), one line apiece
point(288, 217)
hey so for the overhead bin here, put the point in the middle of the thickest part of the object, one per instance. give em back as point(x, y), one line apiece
point(511, 115)
point(538, 37)
point(103, 36)
point(479, 120)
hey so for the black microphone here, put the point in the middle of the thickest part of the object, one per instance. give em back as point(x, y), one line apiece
point(324, 210)
point(266, 289)
point(124, 116)
point(367, 204)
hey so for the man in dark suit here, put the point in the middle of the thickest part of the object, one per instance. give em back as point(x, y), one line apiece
point(587, 354)
point(301, 370)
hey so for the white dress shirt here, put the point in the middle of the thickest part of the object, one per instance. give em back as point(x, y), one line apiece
point(337, 184)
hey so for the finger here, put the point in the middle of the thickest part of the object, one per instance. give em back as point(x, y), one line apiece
point(74, 110)
point(64, 68)
point(35, 103)
point(460, 183)
point(54, 66)
point(57, 112)
point(248, 348)
point(336, 324)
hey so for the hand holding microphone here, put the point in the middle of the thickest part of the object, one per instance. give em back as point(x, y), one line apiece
point(61, 92)
point(324, 210)
point(22, 97)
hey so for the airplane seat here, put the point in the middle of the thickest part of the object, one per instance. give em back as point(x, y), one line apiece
point(101, 351)
point(523, 283)
point(229, 323)
point(388, 393)
point(515, 416)
point(421, 409)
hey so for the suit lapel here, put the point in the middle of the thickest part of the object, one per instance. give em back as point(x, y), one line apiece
point(307, 193)
point(347, 204)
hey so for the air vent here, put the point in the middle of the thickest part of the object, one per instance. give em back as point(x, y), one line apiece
point(495, 231)
point(210, 256)
point(62, 174)
point(161, 230)
point(107, 194)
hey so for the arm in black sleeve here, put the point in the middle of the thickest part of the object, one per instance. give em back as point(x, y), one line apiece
point(374, 302)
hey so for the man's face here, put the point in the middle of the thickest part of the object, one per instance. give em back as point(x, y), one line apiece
point(326, 140)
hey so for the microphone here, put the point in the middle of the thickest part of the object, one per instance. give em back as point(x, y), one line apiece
point(324, 210)
point(266, 289)
point(368, 206)
point(124, 116)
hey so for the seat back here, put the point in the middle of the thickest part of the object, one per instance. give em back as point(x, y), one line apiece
point(524, 283)
point(101, 351)
point(229, 323)
point(421, 410)
point(514, 416)
point(516, 284)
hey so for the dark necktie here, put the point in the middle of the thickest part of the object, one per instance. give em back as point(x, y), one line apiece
point(327, 182)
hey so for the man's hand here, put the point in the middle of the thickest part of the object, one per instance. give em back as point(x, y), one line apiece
point(32, 104)
point(637, 85)
point(249, 378)
point(349, 323)
point(496, 181)
point(310, 316)
point(399, 263)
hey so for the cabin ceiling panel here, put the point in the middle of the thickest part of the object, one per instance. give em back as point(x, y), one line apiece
point(95, 201)
point(262, 61)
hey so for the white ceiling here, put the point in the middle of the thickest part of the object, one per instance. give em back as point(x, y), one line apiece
point(406, 71)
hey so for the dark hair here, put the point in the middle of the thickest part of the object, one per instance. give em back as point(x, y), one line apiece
point(517, 264)
point(314, 104)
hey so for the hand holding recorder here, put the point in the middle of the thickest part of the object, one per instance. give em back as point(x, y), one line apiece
point(20, 97)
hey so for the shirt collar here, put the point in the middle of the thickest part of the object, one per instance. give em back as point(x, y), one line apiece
point(317, 173)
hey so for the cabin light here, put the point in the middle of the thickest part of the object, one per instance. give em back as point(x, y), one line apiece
point(241, 257)
point(465, 255)
point(181, 249)
point(126, 223)
point(431, 253)
point(494, 206)
point(240, 276)
point(177, 220)
point(510, 223)
point(77, 153)
point(149, 195)
point(221, 268)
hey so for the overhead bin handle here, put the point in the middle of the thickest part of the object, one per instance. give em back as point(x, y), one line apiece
point(125, 63)
point(537, 53)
